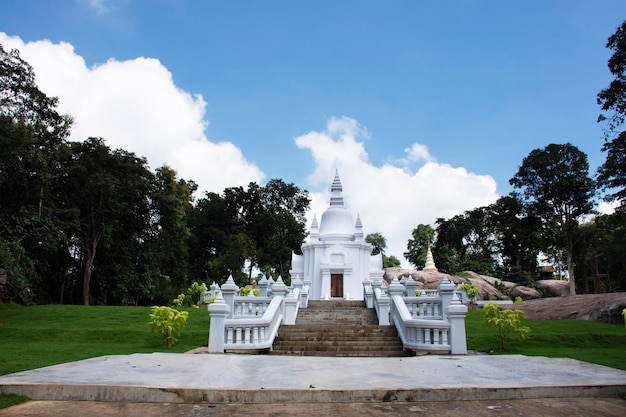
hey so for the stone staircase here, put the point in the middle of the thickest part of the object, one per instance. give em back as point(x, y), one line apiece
point(338, 328)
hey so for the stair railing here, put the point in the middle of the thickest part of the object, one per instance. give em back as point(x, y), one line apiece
point(433, 321)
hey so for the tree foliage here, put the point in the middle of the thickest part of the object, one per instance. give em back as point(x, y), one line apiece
point(378, 242)
point(258, 227)
point(505, 322)
point(612, 99)
point(555, 185)
point(108, 193)
point(421, 237)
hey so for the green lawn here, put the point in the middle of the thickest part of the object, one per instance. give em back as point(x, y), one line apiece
point(585, 340)
point(37, 336)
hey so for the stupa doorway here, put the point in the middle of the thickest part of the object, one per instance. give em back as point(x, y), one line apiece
point(336, 285)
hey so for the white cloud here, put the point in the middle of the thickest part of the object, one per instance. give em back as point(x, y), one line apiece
point(418, 152)
point(135, 105)
point(391, 200)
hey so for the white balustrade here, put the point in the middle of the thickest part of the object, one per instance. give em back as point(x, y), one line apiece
point(432, 321)
point(419, 334)
point(250, 306)
point(254, 333)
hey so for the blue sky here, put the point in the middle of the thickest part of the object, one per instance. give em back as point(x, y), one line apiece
point(426, 108)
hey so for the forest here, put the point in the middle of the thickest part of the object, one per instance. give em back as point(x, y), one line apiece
point(81, 223)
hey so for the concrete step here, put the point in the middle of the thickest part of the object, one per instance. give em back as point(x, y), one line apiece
point(338, 328)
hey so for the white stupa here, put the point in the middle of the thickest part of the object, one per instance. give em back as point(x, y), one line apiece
point(430, 262)
point(336, 259)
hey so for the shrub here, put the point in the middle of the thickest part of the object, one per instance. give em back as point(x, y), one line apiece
point(246, 290)
point(505, 322)
point(168, 322)
point(470, 290)
point(179, 300)
point(194, 293)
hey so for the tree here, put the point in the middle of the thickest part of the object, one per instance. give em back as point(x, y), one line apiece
point(613, 98)
point(417, 246)
point(504, 322)
point(390, 261)
point(612, 174)
point(257, 226)
point(172, 202)
point(378, 242)
point(517, 239)
point(32, 133)
point(107, 191)
point(555, 185)
point(283, 208)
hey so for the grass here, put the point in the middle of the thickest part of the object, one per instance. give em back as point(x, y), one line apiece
point(37, 336)
point(585, 340)
point(8, 400)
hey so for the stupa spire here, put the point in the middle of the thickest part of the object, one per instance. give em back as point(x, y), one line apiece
point(315, 232)
point(358, 228)
point(336, 198)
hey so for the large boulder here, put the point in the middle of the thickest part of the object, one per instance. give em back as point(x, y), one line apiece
point(525, 293)
point(489, 288)
point(553, 287)
point(430, 280)
point(601, 307)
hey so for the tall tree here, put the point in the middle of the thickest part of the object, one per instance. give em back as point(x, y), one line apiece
point(517, 239)
point(612, 100)
point(172, 202)
point(554, 182)
point(284, 207)
point(31, 135)
point(109, 190)
point(421, 237)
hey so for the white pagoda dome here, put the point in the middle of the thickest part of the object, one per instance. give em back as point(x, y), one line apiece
point(336, 223)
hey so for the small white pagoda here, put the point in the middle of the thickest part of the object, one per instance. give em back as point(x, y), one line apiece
point(336, 259)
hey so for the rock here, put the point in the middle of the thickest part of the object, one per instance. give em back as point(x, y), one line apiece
point(430, 280)
point(525, 293)
point(601, 307)
point(553, 287)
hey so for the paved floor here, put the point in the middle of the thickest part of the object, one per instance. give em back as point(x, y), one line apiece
point(261, 379)
point(541, 407)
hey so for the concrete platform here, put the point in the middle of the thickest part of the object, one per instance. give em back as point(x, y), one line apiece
point(262, 379)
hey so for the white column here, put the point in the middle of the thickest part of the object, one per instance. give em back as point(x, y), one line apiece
point(218, 311)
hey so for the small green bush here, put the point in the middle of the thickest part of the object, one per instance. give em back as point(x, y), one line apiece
point(194, 293)
point(168, 322)
point(246, 290)
point(179, 300)
point(505, 322)
point(470, 290)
